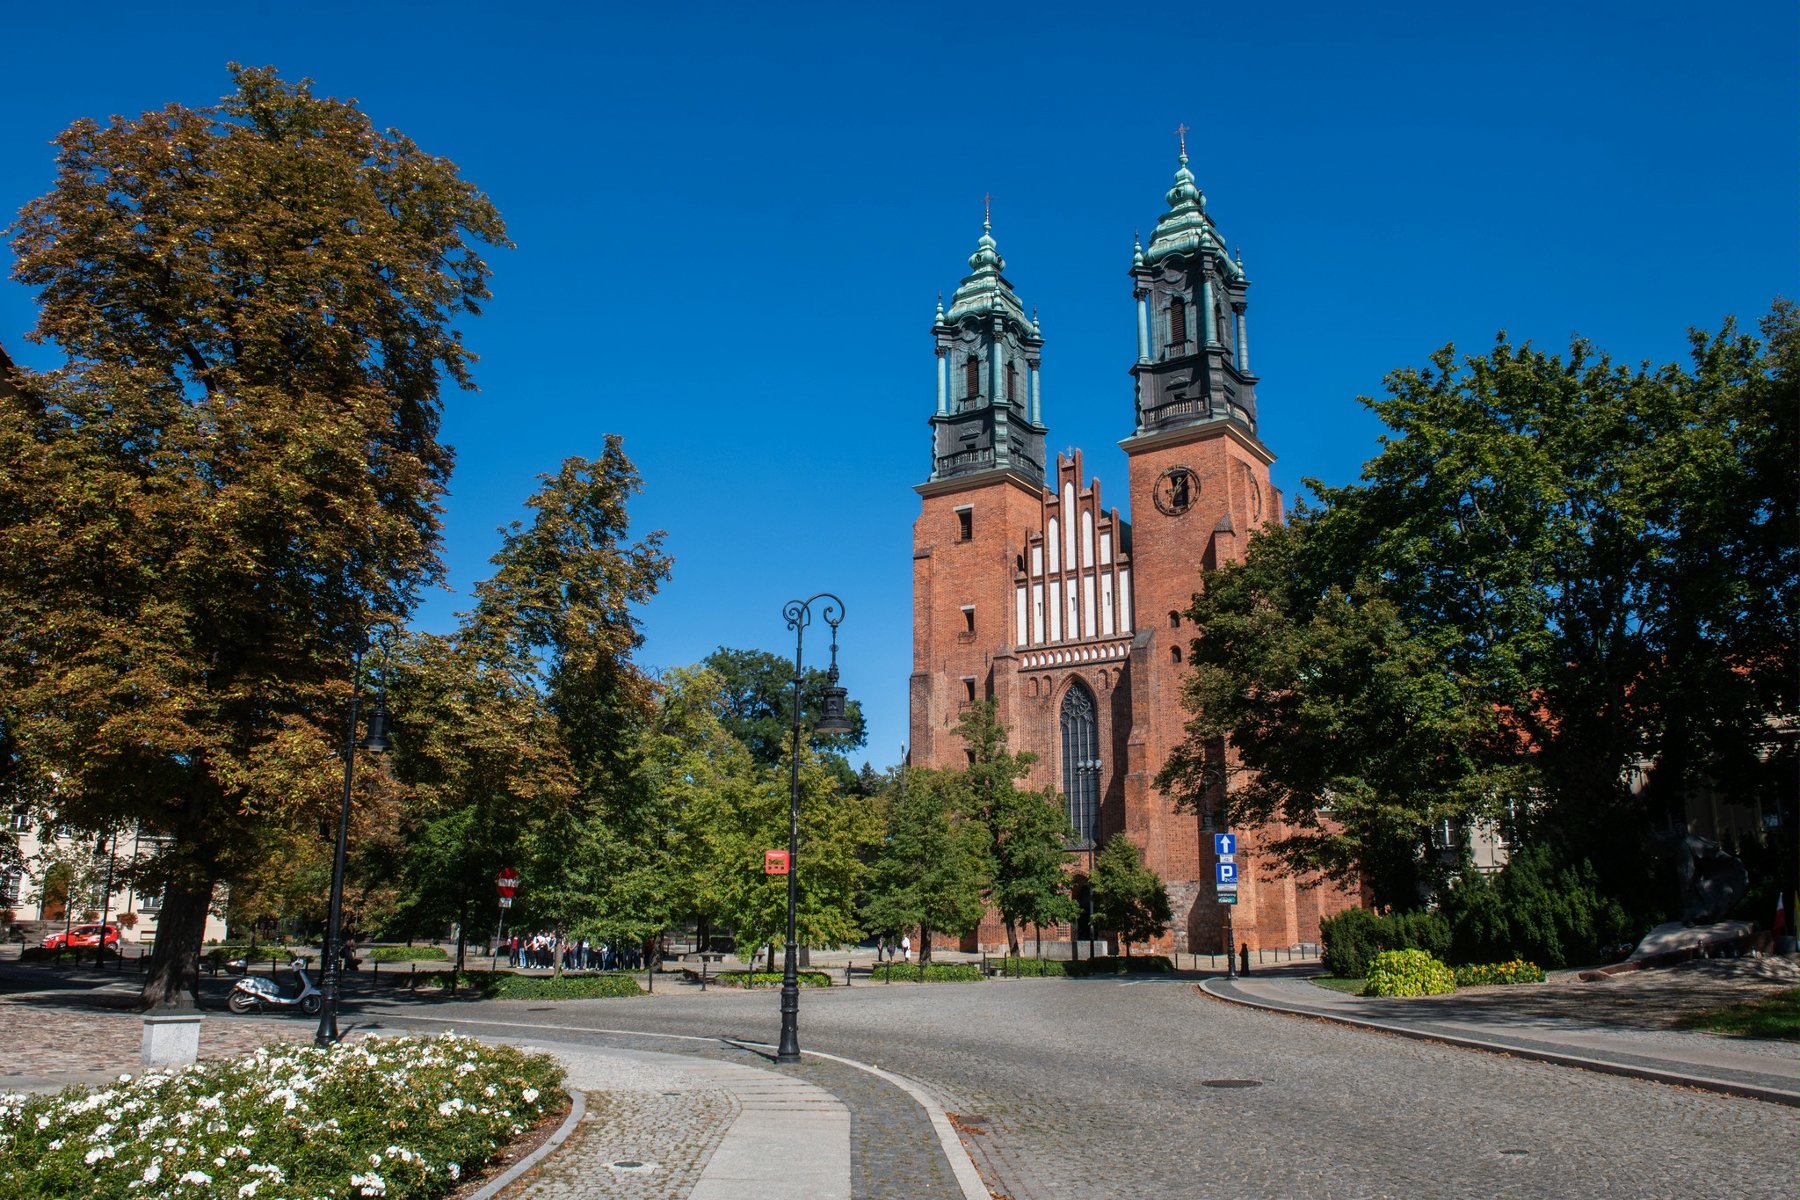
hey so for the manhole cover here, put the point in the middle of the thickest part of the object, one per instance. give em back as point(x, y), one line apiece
point(1231, 1083)
point(631, 1164)
point(1515, 1153)
point(545, 1008)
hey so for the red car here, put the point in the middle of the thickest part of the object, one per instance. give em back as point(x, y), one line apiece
point(82, 936)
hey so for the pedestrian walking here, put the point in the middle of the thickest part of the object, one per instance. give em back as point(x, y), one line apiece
point(905, 947)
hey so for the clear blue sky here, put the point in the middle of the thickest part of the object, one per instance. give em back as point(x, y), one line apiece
point(733, 220)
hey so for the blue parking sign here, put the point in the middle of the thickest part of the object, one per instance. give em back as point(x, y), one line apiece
point(1228, 873)
point(1224, 844)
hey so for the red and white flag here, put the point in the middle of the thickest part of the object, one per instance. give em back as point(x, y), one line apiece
point(1780, 914)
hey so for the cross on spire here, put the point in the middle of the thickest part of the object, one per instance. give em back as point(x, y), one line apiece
point(987, 210)
point(1181, 131)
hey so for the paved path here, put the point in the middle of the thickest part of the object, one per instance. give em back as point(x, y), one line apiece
point(1140, 1088)
point(1569, 1036)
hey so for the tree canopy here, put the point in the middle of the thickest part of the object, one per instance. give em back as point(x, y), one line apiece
point(236, 473)
point(1561, 596)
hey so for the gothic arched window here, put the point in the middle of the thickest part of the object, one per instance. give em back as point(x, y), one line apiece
point(1081, 761)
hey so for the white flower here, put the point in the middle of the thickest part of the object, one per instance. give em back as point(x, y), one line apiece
point(153, 1172)
point(531, 1095)
point(249, 1189)
point(195, 1177)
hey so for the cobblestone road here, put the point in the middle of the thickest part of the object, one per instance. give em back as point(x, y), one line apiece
point(1101, 1089)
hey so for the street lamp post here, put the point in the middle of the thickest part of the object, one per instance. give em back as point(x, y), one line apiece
point(375, 742)
point(831, 720)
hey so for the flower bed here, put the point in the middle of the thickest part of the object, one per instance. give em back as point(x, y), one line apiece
point(504, 985)
point(1481, 974)
point(1027, 968)
point(901, 972)
point(396, 1117)
point(409, 954)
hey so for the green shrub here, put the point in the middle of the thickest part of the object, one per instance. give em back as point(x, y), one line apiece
point(1028, 968)
point(402, 1118)
point(1114, 964)
point(738, 979)
point(1407, 973)
point(409, 954)
point(1482, 974)
point(569, 987)
point(1355, 936)
point(1349, 941)
point(954, 972)
point(1537, 908)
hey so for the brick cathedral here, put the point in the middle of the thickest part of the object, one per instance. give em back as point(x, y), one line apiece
point(1029, 590)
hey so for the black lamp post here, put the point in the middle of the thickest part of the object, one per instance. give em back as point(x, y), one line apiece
point(831, 720)
point(375, 742)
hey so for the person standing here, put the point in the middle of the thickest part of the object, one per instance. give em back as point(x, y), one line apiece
point(905, 947)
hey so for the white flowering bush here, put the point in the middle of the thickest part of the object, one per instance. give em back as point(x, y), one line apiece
point(388, 1117)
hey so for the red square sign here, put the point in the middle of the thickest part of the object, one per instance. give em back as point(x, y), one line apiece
point(775, 862)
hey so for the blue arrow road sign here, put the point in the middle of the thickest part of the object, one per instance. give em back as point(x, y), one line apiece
point(1224, 843)
point(1228, 873)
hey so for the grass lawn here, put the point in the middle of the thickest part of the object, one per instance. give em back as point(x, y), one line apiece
point(1776, 1017)
point(1337, 983)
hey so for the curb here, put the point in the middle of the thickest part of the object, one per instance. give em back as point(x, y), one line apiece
point(577, 1110)
point(962, 1165)
point(1748, 1091)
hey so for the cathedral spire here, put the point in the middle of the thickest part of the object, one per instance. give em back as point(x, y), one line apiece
point(1192, 353)
point(988, 416)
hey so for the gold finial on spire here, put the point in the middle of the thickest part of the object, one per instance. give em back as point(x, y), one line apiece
point(1181, 131)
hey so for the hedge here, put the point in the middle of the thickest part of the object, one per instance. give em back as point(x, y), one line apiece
point(1027, 968)
point(1114, 964)
point(409, 954)
point(950, 972)
point(504, 985)
point(1355, 936)
point(757, 979)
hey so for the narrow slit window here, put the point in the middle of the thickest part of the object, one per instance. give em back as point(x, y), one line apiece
point(1177, 321)
point(971, 377)
point(968, 620)
point(965, 524)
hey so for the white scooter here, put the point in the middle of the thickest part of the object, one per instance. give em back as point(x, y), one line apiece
point(254, 992)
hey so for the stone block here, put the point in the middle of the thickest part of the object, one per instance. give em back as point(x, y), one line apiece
point(171, 1041)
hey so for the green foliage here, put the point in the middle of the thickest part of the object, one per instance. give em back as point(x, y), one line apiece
point(502, 986)
point(763, 979)
point(1775, 1017)
point(931, 869)
point(1407, 973)
point(409, 954)
point(755, 704)
point(1129, 898)
point(1555, 568)
point(936, 972)
point(1355, 936)
point(404, 1118)
point(1536, 908)
point(1115, 964)
point(1484, 974)
point(1014, 967)
point(1028, 882)
point(236, 471)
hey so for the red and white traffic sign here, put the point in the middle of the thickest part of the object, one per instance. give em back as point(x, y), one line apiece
point(508, 882)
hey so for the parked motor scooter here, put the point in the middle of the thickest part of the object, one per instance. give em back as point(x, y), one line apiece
point(255, 992)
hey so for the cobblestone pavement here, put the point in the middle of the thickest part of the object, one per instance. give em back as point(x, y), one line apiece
point(1102, 1088)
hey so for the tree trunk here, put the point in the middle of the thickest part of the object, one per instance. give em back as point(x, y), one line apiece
point(771, 958)
point(1012, 938)
point(924, 943)
point(173, 979)
point(462, 935)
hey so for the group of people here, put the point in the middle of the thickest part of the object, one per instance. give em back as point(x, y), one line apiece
point(544, 949)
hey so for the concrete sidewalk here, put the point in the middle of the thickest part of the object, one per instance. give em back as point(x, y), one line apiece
point(1762, 1070)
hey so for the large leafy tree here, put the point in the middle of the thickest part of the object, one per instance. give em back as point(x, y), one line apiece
point(1558, 574)
point(237, 470)
point(560, 607)
point(930, 871)
point(1027, 831)
point(1129, 898)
